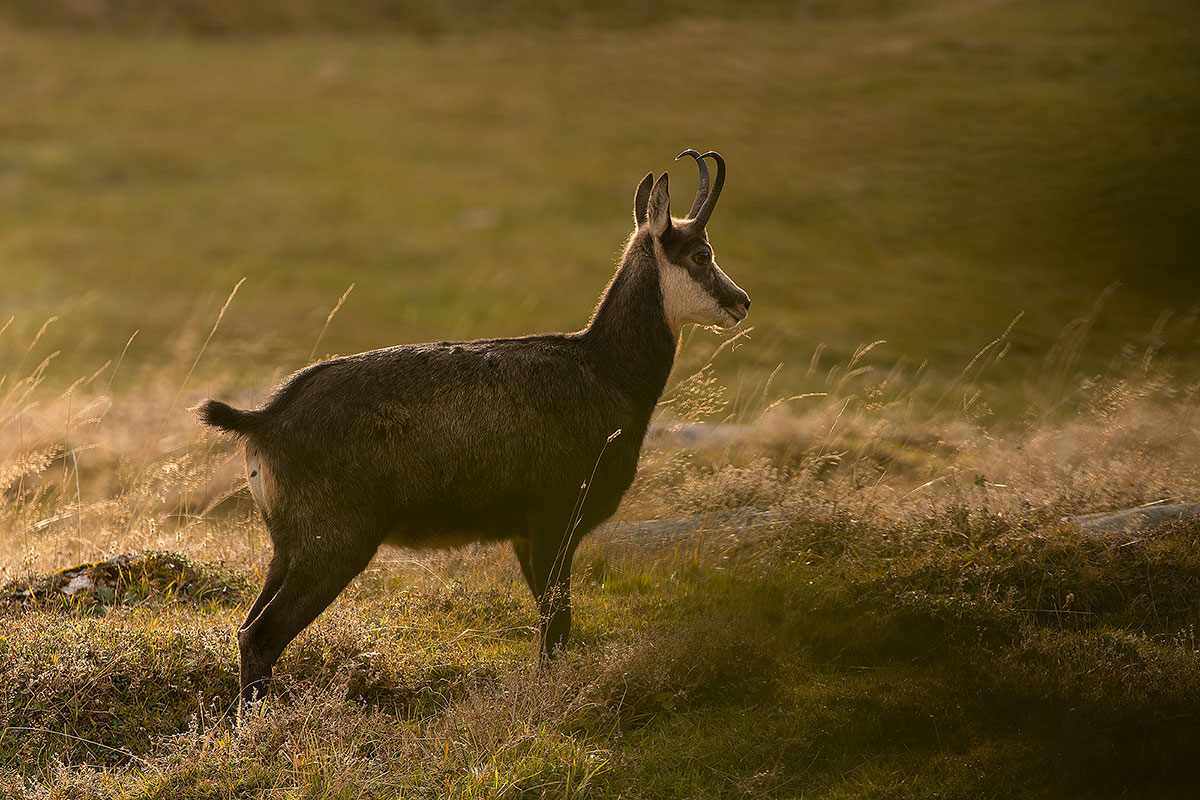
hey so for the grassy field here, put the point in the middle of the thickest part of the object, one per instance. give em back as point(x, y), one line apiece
point(912, 618)
point(918, 172)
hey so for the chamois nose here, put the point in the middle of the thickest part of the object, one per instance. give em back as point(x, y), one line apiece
point(741, 306)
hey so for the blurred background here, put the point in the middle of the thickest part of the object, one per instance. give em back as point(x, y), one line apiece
point(921, 172)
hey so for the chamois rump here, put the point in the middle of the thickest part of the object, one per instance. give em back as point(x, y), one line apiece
point(531, 439)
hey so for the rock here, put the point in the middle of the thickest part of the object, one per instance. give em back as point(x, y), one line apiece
point(698, 435)
point(79, 583)
point(669, 531)
point(125, 579)
point(1134, 520)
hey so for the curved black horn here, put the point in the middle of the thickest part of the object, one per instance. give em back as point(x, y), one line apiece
point(702, 191)
point(710, 201)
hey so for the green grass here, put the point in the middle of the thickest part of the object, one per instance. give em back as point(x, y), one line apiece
point(862, 674)
point(916, 172)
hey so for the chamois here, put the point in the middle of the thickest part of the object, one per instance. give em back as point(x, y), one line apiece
point(531, 439)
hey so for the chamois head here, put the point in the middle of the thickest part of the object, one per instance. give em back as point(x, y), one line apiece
point(694, 288)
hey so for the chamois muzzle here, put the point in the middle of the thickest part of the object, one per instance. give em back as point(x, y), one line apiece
point(706, 198)
point(734, 301)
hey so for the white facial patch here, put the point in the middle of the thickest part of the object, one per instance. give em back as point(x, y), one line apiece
point(685, 300)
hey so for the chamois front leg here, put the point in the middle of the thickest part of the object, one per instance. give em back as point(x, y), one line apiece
point(546, 563)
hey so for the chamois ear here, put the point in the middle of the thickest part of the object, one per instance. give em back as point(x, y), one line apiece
point(658, 210)
point(641, 198)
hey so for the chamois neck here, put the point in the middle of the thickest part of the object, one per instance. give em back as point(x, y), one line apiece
point(629, 330)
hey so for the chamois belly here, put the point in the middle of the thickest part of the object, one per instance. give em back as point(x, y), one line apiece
point(424, 538)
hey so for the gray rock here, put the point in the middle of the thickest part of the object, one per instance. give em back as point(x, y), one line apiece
point(672, 530)
point(1134, 520)
point(698, 435)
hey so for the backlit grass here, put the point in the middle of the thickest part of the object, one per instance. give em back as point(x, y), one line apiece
point(912, 618)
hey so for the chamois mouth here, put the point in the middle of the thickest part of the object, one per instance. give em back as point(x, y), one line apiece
point(736, 315)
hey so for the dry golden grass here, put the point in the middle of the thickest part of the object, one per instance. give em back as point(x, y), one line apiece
point(85, 475)
point(899, 528)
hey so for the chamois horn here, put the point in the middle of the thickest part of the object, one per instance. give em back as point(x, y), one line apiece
point(706, 199)
point(702, 190)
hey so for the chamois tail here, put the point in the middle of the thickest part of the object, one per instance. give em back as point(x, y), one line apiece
point(226, 417)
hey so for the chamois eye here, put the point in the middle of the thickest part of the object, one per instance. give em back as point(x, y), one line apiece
point(702, 257)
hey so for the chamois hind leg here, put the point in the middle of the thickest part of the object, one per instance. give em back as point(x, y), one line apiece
point(275, 572)
point(546, 564)
point(313, 575)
